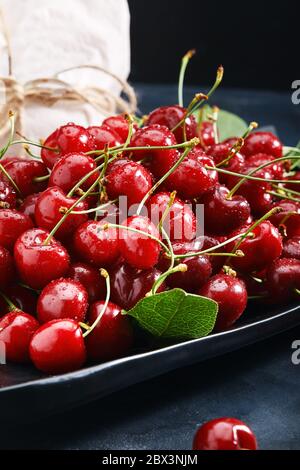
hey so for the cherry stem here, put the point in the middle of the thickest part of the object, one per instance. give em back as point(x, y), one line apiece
point(140, 232)
point(104, 274)
point(189, 146)
point(95, 209)
point(10, 179)
point(40, 179)
point(167, 210)
point(11, 305)
point(238, 145)
point(11, 134)
point(68, 212)
point(184, 63)
point(172, 256)
point(283, 196)
point(28, 151)
point(260, 167)
point(214, 118)
point(286, 190)
point(182, 268)
point(211, 249)
point(266, 216)
point(35, 144)
point(297, 291)
point(287, 216)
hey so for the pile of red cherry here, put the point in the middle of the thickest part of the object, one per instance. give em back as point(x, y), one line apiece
point(57, 249)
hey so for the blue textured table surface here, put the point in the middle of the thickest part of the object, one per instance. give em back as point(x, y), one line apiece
point(258, 384)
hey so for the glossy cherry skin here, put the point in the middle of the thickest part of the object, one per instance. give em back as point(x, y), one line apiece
point(199, 270)
point(48, 212)
point(191, 179)
point(170, 116)
point(231, 295)
point(222, 215)
point(12, 225)
point(62, 298)
point(23, 173)
point(206, 134)
point(70, 169)
point(283, 277)
point(58, 347)
point(95, 245)
point(113, 335)
point(291, 248)
point(38, 264)
point(160, 161)
point(138, 250)
point(276, 169)
point(6, 267)
point(8, 197)
point(128, 179)
point(28, 206)
point(70, 138)
point(104, 136)
point(262, 142)
point(129, 285)
point(224, 434)
point(288, 218)
point(119, 124)
point(90, 278)
point(180, 223)
point(16, 330)
point(259, 250)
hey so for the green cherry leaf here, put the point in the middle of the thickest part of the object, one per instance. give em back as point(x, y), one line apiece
point(176, 314)
point(229, 124)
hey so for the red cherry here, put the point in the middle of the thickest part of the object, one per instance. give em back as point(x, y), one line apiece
point(90, 278)
point(191, 179)
point(289, 217)
point(95, 245)
point(16, 330)
point(291, 248)
point(39, 264)
point(219, 153)
point(58, 347)
point(180, 223)
point(104, 136)
point(67, 139)
point(70, 169)
point(48, 212)
point(62, 298)
point(224, 434)
point(260, 249)
point(12, 225)
point(28, 206)
point(113, 335)
point(283, 278)
point(222, 215)
point(128, 179)
point(129, 285)
point(155, 136)
point(8, 197)
point(198, 272)
point(23, 173)
point(206, 134)
point(231, 295)
point(262, 142)
point(119, 124)
point(6, 267)
point(170, 116)
point(138, 250)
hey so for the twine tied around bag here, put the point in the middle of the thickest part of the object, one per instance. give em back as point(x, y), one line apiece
point(50, 90)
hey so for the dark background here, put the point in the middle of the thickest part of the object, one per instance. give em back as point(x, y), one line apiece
point(257, 42)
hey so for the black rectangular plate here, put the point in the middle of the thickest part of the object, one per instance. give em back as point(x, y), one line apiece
point(26, 394)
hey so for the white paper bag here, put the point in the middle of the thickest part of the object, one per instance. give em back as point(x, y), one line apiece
point(49, 36)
